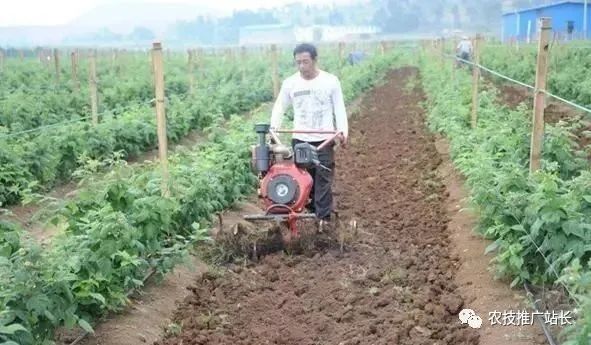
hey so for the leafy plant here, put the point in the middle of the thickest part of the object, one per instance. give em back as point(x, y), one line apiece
point(540, 223)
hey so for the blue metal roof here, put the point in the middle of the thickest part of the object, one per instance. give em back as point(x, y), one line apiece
point(543, 6)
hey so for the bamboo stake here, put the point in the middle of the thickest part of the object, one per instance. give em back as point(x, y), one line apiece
point(454, 61)
point(191, 72)
point(539, 99)
point(243, 62)
point(56, 61)
point(93, 88)
point(74, 60)
point(160, 113)
point(475, 81)
point(442, 52)
point(275, 71)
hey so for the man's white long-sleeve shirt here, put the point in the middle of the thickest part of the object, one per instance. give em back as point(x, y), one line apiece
point(318, 104)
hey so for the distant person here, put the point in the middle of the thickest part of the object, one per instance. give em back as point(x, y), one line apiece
point(356, 57)
point(464, 49)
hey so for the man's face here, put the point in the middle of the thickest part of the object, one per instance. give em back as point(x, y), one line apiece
point(306, 65)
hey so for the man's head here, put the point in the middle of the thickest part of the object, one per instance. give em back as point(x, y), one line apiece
point(305, 58)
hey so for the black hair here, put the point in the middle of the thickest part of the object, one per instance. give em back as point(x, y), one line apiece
point(306, 47)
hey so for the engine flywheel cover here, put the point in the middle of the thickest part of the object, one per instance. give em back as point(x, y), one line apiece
point(283, 189)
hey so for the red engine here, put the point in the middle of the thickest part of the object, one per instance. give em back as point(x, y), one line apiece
point(286, 188)
point(284, 183)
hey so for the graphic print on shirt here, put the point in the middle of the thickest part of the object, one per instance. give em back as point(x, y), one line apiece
point(311, 105)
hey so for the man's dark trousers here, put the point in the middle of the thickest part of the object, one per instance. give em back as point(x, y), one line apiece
point(321, 193)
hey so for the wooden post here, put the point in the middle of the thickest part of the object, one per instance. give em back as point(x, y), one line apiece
point(93, 88)
point(453, 60)
point(191, 73)
point(442, 51)
point(275, 71)
point(160, 113)
point(113, 57)
point(74, 60)
point(539, 99)
point(56, 60)
point(475, 80)
point(243, 62)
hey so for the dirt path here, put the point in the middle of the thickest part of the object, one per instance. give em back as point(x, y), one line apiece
point(396, 286)
point(483, 293)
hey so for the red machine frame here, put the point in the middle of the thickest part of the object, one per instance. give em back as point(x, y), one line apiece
point(290, 215)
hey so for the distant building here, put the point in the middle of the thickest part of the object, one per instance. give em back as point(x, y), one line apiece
point(330, 33)
point(567, 21)
point(266, 34)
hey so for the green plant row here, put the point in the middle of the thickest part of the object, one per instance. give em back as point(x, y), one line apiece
point(37, 161)
point(119, 226)
point(540, 223)
point(30, 97)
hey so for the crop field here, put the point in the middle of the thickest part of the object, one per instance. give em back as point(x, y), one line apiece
point(450, 214)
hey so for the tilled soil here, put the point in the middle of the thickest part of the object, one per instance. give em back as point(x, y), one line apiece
point(394, 286)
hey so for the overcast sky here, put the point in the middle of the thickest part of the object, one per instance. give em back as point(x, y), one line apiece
point(56, 12)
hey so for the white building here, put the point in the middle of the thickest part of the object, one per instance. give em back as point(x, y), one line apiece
point(266, 34)
point(329, 33)
point(281, 34)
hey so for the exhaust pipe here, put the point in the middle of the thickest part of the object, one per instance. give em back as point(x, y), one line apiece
point(261, 153)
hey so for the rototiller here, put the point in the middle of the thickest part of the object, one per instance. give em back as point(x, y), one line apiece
point(284, 182)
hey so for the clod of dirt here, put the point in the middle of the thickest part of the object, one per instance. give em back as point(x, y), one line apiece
point(273, 276)
point(453, 304)
point(383, 303)
point(374, 275)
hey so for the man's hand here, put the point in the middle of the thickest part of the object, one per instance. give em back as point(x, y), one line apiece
point(342, 140)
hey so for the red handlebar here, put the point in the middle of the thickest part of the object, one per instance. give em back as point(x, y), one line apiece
point(293, 131)
point(304, 131)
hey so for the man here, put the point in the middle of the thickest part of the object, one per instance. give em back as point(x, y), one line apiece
point(464, 48)
point(318, 104)
point(356, 57)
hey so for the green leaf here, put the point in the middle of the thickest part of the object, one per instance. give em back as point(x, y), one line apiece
point(10, 342)
point(49, 315)
point(11, 329)
point(492, 247)
point(98, 297)
point(85, 326)
point(514, 282)
point(535, 228)
point(587, 198)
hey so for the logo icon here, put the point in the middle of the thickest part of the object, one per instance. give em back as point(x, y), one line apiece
point(468, 316)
